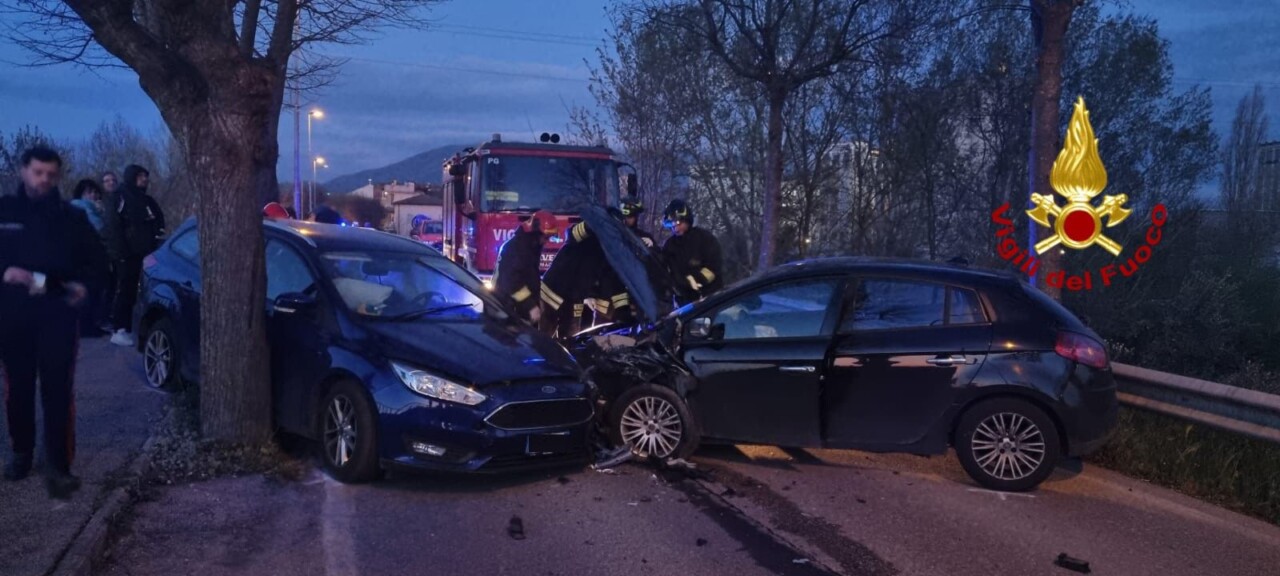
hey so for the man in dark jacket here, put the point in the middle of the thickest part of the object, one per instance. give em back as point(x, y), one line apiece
point(518, 278)
point(573, 276)
point(693, 254)
point(135, 228)
point(48, 252)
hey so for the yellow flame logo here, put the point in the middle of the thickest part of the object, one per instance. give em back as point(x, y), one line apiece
point(1078, 175)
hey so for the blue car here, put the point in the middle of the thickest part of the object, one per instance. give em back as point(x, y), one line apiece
point(383, 351)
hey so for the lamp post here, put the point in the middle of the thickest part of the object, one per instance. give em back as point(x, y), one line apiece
point(317, 114)
point(316, 162)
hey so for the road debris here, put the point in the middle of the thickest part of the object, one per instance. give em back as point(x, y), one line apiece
point(701, 542)
point(1072, 564)
point(515, 528)
point(800, 561)
point(612, 458)
point(563, 480)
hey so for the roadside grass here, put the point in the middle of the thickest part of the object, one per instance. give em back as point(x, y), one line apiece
point(179, 455)
point(1219, 467)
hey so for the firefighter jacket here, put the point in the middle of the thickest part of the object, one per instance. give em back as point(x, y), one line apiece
point(582, 271)
point(695, 262)
point(517, 276)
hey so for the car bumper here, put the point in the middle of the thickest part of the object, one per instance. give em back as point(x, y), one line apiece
point(419, 433)
point(1091, 410)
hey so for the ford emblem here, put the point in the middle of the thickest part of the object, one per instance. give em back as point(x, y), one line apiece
point(548, 389)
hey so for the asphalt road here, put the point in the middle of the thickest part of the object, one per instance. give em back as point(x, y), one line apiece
point(760, 511)
point(114, 415)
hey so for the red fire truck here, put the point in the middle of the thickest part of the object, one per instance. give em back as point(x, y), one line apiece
point(490, 187)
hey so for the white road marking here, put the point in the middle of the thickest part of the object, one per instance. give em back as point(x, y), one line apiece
point(1004, 496)
point(336, 531)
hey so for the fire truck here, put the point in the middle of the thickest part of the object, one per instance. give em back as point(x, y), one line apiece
point(489, 188)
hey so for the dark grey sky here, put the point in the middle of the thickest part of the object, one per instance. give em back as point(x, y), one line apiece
point(516, 66)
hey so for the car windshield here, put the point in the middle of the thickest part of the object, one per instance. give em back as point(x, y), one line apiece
point(404, 285)
point(557, 184)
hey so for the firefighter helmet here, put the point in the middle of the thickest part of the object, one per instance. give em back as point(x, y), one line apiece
point(632, 207)
point(677, 211)
point(545, 222)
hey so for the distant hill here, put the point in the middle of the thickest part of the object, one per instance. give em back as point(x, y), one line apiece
point(419, 168)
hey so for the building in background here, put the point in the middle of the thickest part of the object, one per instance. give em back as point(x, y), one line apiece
point(429, 203)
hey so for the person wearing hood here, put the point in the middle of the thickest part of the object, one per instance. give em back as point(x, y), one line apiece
point(49, 254)
point(135, 228)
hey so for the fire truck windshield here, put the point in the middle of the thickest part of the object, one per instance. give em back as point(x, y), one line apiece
point(510, 183)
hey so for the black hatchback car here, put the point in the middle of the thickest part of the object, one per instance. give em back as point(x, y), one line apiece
point(384, 351)
point(879, 355)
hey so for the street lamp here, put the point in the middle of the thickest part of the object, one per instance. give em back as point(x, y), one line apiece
point(316, 162)
point(318, 114)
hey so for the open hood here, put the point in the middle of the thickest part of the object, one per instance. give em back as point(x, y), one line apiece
point(634, 263)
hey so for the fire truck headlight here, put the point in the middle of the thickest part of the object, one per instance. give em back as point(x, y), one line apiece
point(488, 285)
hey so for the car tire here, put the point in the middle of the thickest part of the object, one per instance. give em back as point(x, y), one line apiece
point(348, 432)
point(1007, 444)
point(160, 356)
point(641, 415)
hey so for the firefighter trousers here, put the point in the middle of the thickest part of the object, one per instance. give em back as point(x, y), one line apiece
point(41, 344)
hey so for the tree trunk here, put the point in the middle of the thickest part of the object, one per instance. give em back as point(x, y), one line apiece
point(235, 391)
point(232, 159)
point(1049, 22)
point(772, 181)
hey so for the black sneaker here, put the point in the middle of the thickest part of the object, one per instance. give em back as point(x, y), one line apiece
point(18, 467)
point(61, 485)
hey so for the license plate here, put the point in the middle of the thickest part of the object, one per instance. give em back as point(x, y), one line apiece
point(550, 443)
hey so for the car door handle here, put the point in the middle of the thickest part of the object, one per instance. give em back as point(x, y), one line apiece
point(951, 360)
point(797, 369)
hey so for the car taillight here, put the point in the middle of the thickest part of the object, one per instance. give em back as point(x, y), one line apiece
point(149, 261)
point(1082, 349)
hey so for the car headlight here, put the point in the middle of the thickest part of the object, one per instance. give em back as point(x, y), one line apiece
point(432, 386)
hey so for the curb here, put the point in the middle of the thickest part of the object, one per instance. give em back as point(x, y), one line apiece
point(91, 542)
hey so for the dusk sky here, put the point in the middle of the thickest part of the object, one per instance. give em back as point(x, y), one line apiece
point(517, 66)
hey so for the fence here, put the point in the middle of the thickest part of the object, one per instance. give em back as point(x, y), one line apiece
point(1239, 410)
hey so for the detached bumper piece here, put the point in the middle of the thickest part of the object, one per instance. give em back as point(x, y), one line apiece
point(541, 414)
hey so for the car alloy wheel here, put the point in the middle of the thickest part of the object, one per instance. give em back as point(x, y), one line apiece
point(158, 358)
point(652, 427)
point(340, 431)
point(1008, 446)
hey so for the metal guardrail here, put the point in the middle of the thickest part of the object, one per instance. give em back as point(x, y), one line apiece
point(1239, 410)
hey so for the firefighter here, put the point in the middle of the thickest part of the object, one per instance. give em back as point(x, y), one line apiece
point(570, 280)
point(693, 254)
point(518, 275)
point(632, 208)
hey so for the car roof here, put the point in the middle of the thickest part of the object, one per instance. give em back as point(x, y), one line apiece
point(335, 237)
point(938, 271)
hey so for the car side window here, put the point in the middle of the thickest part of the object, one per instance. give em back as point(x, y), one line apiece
point(286, 271)
point(792, 310)
point(187, 246)
point(965, 307)
point(878, 304)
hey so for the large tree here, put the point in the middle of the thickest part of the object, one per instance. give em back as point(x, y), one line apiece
point(783, 45)
point(217, 71)
point(1049, 22)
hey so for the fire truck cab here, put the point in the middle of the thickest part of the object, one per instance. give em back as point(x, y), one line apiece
point(489, 188)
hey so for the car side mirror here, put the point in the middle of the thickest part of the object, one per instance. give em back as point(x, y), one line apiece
point(703, 329)
point(295, 303)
